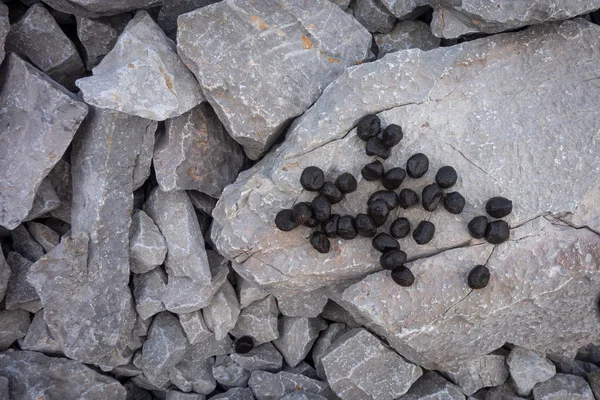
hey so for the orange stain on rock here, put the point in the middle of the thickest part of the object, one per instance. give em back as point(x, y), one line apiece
point(261, 23)
point(333, 60)
point(306, 43)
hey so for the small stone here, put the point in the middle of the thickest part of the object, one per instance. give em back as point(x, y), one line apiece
point(368, 127)
point(433, 386)
point(408, 198)
point(392, 259)
point(391, 135)
point(376, 147)
point(454, 202)
point(331, 192)
point(147, 247)
point(372, 171)
point(562, 386)
point(302, 212)
point(326, 339)
point(389, 196)
point(284, 220)
point(303, 368)
point(365, 225)
point(346, 182)
point(498, 207)
point(45, 201)
point(373, 15)
point(393, 178)
point(222, 313)
point(400, 228)
point(235, 394)
point(497, 232)
point(44, 235)
point(20, 294)
point(305, 304)
point(417, 165)
point(406, 34)
point(268, 386)
point(379, 212)
point(312, 179)
point(424, 232)
point(321, 208)
point(478, 372)
point(25, 245)
point(528, 368)
point(330, 226)
point(264, 357)
point(148, 290)
point(477, 226)
point(431, 197)
point(39, 338)
point(258, 321)
point(346, 227)
point(384, 243)
point(248, 293)
point(446, 177)
point(403, 276)
point(228, 373)
point(99, 35)
point(13, 326)
point(479, 277)
point(194, 372)
point(296, 337)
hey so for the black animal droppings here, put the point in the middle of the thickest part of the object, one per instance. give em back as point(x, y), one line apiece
point(390, 198)
point(329, 227)
point(403, 276)
point(431, 197)
point(391, 135)
point(478, 277)
point(497, 232)
point(372, 171)
point(312, 178)
point(424, 232)
point(417, 165)
point(477, 226)
point(284, 221)
point(400, 228)
point(446, 177)
point(312, 222)
point(319, 241)
point(365, 225)
point(392, 259)
point(375, 147)
point(498, 207)
point(302, 212)
point(331, 192)
point(393, 178)
point(368, 127)
point(408, 198)
point(378, 211)
point(384, 243)
point(243, 344)
point(346, 182)
point(454, 202)
point(346, 227)
point(321, 208)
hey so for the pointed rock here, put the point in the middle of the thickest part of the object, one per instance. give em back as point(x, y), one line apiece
point(308, 305)
point(147, 247)
point(296, 337)
point(261, 358)
point(46, 200)
point(20, 294)
point(258, 320)
point(13, 326)
point(44, 235)
point(25, 245)
point(98, 36)
point(39, 338)
point(222, 313)
point(148, 290)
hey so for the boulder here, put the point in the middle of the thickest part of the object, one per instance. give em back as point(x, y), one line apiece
point(258, 320)
point(296, 337)
point(100, 8)
point(528, 368)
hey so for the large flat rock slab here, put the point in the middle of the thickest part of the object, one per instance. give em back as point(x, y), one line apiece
point(493, 108)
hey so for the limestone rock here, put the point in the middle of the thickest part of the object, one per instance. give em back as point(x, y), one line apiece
point(303, 396)
point(303, 368)
point(235, 394)
point(39, 338)
point(308, 305)
point(479, 372)
point(30, 147)
point(258, 320)
point(434, 387)
point(4, 390)
point(4, 28)
point(268, 386)
point(100, 8)
point(195, 152)
point(194, 327)
point(222, 313)
point(406, 35)
point(147, 247)
point(13, 326)
point(25, 245)
point(336, 313)
point(326, 339)
point(139, 333)
point(143, 162)
point(98, 36)
point(296, 337)
point(373, 15)
point(502, 392)
point(248, 293)
point(272, 38)
point(46, 200)
point(167, 16)
point(44, 235)
point(148, 290)
point(202, 202)
point(228, 373)
point(61, 179)
point(261, 358)
point(4, 275)
point(142, 75)
point(563, 386)
point(528, 368)
point(20, 294)
point(194, 372)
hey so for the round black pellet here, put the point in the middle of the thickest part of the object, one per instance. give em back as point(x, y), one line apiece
point(384, 243)
point(424, 232)
point(400, 228)
point(417, 165)
point(346, 182)
point(479, 277)
point(346, 227)
point(477, 226)
point(497, 232)
point(302, 212)
point(431, 197)
point(243, 344)
point(446, 177)
point(408, 198)
point(375, 147)
point(498, 207)
point(365, 225)
point(372, 171)
point(393, 178)
point(312, 222)
point(312, 179)
point(368, 127)
point(331, 192)
point(454, 202)
point(321, 208)
point(319, 241)
point(403, 276)
point(390, 197)
point(378, 211)
point(391, 135)
point(392, 259)
point(284, 220)
point(329, 227)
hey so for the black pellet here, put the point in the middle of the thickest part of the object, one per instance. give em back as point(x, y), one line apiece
point(384, 243)
point(329, 227)
point(346, 182)
point(321, 208)
point(365, 225)
point(331, 192)
point(284, 220)
point(403, 276)
point(393, 178)
point(392, 259)
point(498, 207)
point(408, 198)
point(431, 197)
point(400, 228)
point(477, 226)
point(346, 227)
point(319, 241)
point(454, 202)
point(312, 222)
point(302, 212)
point(391, 135)
point(479, 277)
point(446, 177)
point(417, 165)
point(378, 211)
point(243, 344)
point(372, 171)
point(497, 232)
point(368, 127)
point(424, 232)
point(375, 147)
point(312, 178)
point(390, 198)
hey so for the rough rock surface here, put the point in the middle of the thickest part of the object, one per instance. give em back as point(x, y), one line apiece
point(13, 326)
point(268, 386)
point(273, 40)
point(4, 390)
point(20, 294)
point(98, 36)
point(194, 327)
point(222, 312)
point(25, 244)
point(528, 368)
point(258, 320)
point(563, 386)
point(143, 161)
point(44, 235)
point(46, 200)
point(147, 247)
point(248, 293)
point(142, 75)
point(296, 337)
point(303, 368)
point(30, 147)
point(61, 179)
point(502, 392)
point(303, 396)
point(308, 305)
point(235, 394)
point(4, 275)
point(478, 372)
point(148, 290)
point(373, 15)
point(431, 386)
point(4, 28)
point(326, 339)
point(167, 16)
point(261, 358)
point(100, 8)
point(39, 338)
point(202, 202)
point(194, 372)
point(228, 373)
point(406, 35)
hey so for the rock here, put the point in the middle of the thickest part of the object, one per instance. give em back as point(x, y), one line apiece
point(142, 75)
point(99, 36)
point(326, 338)
point(271, 38)
point(147, 247)
point(4, 28)
point(4, 390)
point(258, 320)
point(373, 15)
point(13, 326)
point(562, 386)
point(404, 9)
point(20, 294)
point(136, 393)
point(46, 200)
point(408, 34)
point(594, 380)
point(336, 313)
point(248, 293)
point(573, 367)
point(358, 365)
point(60, 177)
point(194, 373)
point(167, 16)
point(36, 144)
point(528, 368)
point(195, 152)
point(148, 292)
point(35, 376)
point(175, 395)
point(296, 337)
point(143, 162)
point(4, 276)
point(308, 305)
point(100, 8)
point(235, 394)
point(303, 368)
point(228, 373)
point(139, 333)
point(589, 353)
point(502, 392)
point(478, 372)
point(268, 386)
point(39, 338)
point(25, 245)
point(261, 358)
point(44, 235)
point(202, 202)
point(195, 328)
point(434, 387)
point(303, 396)
point(222, 313)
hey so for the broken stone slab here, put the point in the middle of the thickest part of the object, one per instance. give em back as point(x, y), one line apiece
point(4, 28)
point(268, 386)
point(528, 368)
point(20, 294)
point(60, 177)
point(195, 328)
point(100, 8)
point(303, 368)
point(270, 37)
point(261, 358)
point(222, 313)
point(13, 326)
point(433, 386)
point(4, 275)
point(31, 148)
point(147, 247)
point(336, 313)
point(326, 339)
point(248, 293)
point(39, 338)
point(44, 235)
point(373, 15)
point(25, 244)
point(408, 34)
point(46, 200)
point(33, 375)
point(296, 337)
point(99, 35)
point(562, 386)
point(202, 202)
point(195, 152)
point(194, 373)
point(235, 394)
point(142, 75)
point(308, 305)
point(258, 320)
point(148, 290)
point(429, 84)
point(359, 366)
point(143, 162)
point(478, 372)
point(139, 333)
point(167, 16)
point(228, 373)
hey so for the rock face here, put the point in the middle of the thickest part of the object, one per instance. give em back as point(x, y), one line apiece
point(147, 247)
point(274, 39)
point(13, 326)
point(528, 368)
point(268, 386)
point(434, 387)
point(167, 16)
point(563, 386)
point(296, 337)
point(4, 28)
point(142, 75)
point(100, 8)
point(478, 372)
point(406, 35)
point(98, 36)
point(489, 105)
point(31, 146)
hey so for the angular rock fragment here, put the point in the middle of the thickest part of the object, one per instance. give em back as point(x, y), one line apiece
point(195, 328)
point(13, 326)
point(326, 339)
point(248, 293)
point(202, 202)
point(303, 396)
point(235, 394)
point(222, 313)
point(308, 305)
point(60, 177)
point(20, 294)
point(4, 275)
point(142, 75)
point(98, 36)
point(478, 372)
point(143, 162)
point(4, 28)
point(100, 8)
point(44, 235)
point(408, 34)
point(194, 373)
point(270, 37)
point(25, 245)
point(147, 247)
point(167, 16)
point(139, 333)
point(46, 200)
point(228, 373)
point(148, 290)
point(30, 147)
point(258, 320)
point(336, 313)
point(528, 368)
point(433, 386)
point(303, 368)
point(176, 395)
point(296, 337)
point(268, 386)
point(261, 358)
point(39, 338)
point(374, 16)
point(563, 386)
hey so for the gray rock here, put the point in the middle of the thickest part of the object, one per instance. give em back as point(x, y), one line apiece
point(343, 4)
point(336, 313)
point(431, 386)
point(594, 380)
point(502, 392)
point(589, 353)
point(143, 162)
point(126, 371)
point(25, 245)
point(39, 338)
point(373, 15)
point(303, 396)
point(326, 339)
point(296, 337)
point(268, 386)
point(99, 36)
point(404, 9)
point(409, 34)
point(44, 235)
point(167, 16)
point(573, 367)
point(270, 38)
point(4, 389)
point(527, 368)
point(136, 393)
point(303, 368)
point(20, 294)
point(176, 395)
point(46, 200)
point(13, 326)
point(562, 386)
point(100, 8)
point(261, 358)
point(148, 290)
point(478, 372)
point(308, 305)
point(195, 152)
point(4, 28)
point(235, 394)
point(222, 313)
point(248, 293)
point(139, 333)
point(4, 275)
point(258, 320)
point(228, 373)
point(195, 328)
point(34, 376)
point(147, 247)
point(37, 143)
point(61, 179)
point(202, 202)
point(142, 75)
point(194, 373)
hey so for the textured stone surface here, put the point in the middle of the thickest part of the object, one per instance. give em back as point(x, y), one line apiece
point(99, 8)
point(373, 15)
point(272, 39)
point(431, 386)
point(39, 338)
point(20, 294)
point(484, 97)
point(359, 366)
point(142, 75)
point(194, 327)
point(139, 333)
point(4, 275)
point(222, 312)
point(235, 394)
point(25, 245)
point(563, 386)
point(326, 339)
point(258, 320)
point(303, 396)
point(303, 368)
point(194, 372)
point(4, 390)
point(143, 162)
point(308, 305)
point(261, 358)
point(502, 392)
point(38, 38)
point(268, 386)
point(202, 202)
point(406, 35)
point(46, 200)
point(61, 179)
point(98, 36)
point(248, 293)
point(296, 337)
point(336, 313)
point(478, 372)
point(167, 16)
point(34, 376)
point(148, 290)
point(527, 368)
point(44, 235)
point(228, 373)
point(13, 326)
point(196, 152)
point(4, 28)
point(573, 367)
point(176, 395)
point(147, 247)
point(30, 147)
